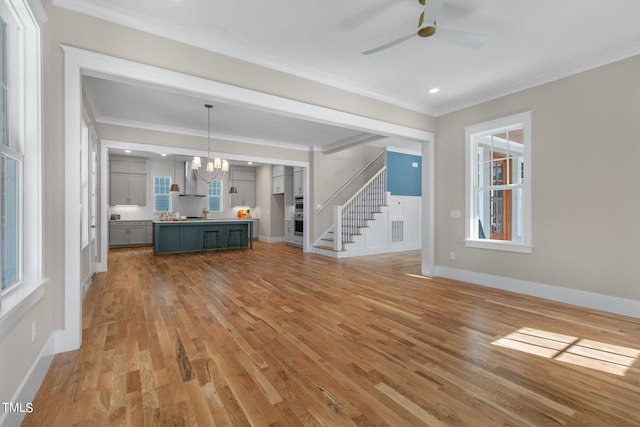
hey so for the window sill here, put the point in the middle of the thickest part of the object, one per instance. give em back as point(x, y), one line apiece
point(500, 245)
point(17, 302)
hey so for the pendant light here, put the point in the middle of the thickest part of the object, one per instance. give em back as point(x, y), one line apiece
point(174, 186)
point(233, 190)
point(214, 166)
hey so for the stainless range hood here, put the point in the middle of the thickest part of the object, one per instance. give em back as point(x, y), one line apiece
point(190, 181)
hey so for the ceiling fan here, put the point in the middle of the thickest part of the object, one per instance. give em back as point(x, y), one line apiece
point(427, 28)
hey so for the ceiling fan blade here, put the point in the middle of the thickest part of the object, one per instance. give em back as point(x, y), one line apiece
point(390, 44)
point(431, 11)
point(461, 38)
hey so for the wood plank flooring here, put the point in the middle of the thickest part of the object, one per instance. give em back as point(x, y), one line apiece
point(275, 337)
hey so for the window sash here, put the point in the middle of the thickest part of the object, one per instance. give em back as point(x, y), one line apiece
point(11, 218)
point(12, 159)
point(4, 85)
point(161, 195)
point(215, 197)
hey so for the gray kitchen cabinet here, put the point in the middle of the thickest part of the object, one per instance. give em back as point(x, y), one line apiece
point(278, 184)
point(128, 181)
point(244, 179)
point(298, 182)
point(118, 236)
point(282, 180)
point(149, 233)
point(289, 231)
point(129, 233)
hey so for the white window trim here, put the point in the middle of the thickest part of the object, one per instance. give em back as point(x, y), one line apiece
point(471, 228)
point(157, 194)
point(221, 196)
point(18, 299)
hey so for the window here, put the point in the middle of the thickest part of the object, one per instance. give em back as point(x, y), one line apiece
point(498, 184)
point(161, 195)
point(20, 150)
point(12, 158)
point(214, 194)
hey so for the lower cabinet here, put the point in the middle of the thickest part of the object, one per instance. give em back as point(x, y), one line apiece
point(130, 233)
point(290, 236)
point(289, 230)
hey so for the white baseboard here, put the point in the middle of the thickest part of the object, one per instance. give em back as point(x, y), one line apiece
point(270, 239)
point(611, 304)
point(30, 384)
point(101, 267)
point(379, 250)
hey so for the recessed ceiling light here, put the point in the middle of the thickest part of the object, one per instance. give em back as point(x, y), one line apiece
point(127, 151)
point(249, 163)
point(434, 90)
point(163, 154)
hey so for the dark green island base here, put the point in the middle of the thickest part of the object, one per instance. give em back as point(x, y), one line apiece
point(188, 236)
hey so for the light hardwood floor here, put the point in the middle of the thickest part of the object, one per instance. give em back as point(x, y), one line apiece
point(275, 337)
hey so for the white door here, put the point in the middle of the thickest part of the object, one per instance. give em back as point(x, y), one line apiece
point(88, 169)
point(93, 201)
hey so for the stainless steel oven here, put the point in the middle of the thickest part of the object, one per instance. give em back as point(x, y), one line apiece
point(298, 215)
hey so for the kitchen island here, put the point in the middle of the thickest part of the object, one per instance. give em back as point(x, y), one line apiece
point(188, 236)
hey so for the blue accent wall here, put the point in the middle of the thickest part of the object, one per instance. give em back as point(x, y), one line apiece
point(402, 178)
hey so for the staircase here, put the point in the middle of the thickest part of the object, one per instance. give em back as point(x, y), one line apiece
point(352, 219)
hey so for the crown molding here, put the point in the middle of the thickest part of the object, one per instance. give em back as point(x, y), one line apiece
point(200, 40)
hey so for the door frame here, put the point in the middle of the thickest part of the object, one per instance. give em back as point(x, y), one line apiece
point(80, 62)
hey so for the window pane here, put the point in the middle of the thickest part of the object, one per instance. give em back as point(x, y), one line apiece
point(214, 191)
point(4, 115)
point(10, 220)
point(161, 187)
point(500, 215)
point(162, 203)
point(215, 204)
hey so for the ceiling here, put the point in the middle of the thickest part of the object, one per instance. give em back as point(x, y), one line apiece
point(531, 42)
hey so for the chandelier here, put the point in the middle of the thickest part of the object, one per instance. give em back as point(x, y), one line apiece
point(214, 166)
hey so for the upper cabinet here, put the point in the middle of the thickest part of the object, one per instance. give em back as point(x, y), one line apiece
point(282, 180)
point(244, 179)
point(128, 181)
point(298, 182)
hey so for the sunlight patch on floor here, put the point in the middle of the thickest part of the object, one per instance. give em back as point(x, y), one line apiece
point(418, 276)
point(590, 354)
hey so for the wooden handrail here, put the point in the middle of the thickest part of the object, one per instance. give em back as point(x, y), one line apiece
point(353, 178)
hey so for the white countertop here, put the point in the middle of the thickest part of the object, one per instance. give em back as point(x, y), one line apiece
point(193, 220)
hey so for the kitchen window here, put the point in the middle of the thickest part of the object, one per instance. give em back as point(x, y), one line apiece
point(161, 194)
point(498, 164)
point(214, 193)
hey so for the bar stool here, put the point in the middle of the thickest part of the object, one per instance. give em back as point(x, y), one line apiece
point(233, 232)
point(205, 239)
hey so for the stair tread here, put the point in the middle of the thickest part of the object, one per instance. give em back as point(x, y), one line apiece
point(324, 239)
point(326, 248)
